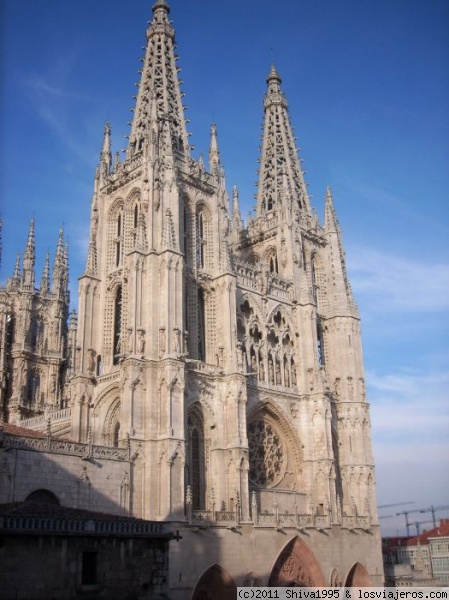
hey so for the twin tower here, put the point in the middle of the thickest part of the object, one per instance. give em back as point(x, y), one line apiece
point(226, 356)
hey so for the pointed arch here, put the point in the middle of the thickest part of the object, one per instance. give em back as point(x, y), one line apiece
point(296, 566)
point(271, 259)
point(204, 242)
point(116, 228)
point(196, 463)
point(358, 577)
point(111, 427)
point(215, 584)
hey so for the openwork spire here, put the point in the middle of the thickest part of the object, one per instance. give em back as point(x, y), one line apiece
point(105, 155)
point(159, 94)
point(281, 180)
point(214, 154)
point(341, 286)
point(29, 259)
point(45, 280)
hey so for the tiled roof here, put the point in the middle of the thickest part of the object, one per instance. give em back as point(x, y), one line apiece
point(42, 509)
point(15, 430)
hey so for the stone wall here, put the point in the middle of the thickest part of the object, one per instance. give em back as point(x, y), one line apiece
point(47, 567)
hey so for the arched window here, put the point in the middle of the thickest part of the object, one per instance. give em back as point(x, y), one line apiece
point(118, 241)
point(200, 241)
point(34, 334)
point(116, 435)
point(273, 262)
point(34, 382)
point(136, 215)
point(201, 326)
point(117, 339)
point(43, 496)
point(196, 462)
point(320, 344)
point(99, 365)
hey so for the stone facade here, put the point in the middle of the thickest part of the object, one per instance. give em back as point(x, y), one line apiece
point(223, 360)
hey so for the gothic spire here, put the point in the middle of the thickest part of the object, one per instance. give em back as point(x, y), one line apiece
point(16, 276)
point(159, 88)
point(29, 259)
point(342, 292)
point(214, 154)
point(58, 265)
point(65, 271)
point(45, 280)
point(281, 179)
point(105, 154)
point(236, 217)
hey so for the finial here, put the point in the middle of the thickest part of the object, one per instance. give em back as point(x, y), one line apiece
point(273, 75)
point(161, 4)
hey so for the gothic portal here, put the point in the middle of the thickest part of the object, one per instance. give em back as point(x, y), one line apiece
point(214, 366)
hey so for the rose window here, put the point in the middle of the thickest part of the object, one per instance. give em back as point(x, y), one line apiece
point(267, 457)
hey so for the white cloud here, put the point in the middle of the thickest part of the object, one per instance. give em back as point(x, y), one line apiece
point(410, 424)
point(388, 283)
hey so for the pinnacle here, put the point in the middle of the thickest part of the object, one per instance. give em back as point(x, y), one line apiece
point(161, 4)
point(273, 74)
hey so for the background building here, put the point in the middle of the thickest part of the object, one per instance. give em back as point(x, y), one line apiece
point(421, 560)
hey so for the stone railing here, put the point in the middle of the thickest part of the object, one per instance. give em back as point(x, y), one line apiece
point(293, 520)
point(202, 516)
point(28, 524)
point(247, 276)
point(279, 287)
point(225, 516)
point(48, 444)
point(40, 422)
point(355, 522)
point(276, 519)
point(198, 365)
point(133, 163)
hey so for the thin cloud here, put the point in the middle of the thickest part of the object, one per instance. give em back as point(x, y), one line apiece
point(391, 283)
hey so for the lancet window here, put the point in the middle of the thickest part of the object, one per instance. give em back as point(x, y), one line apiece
point(34, 382)
point(204, 247)
point(117, 337)
point(196, 471)
point(119, 240)
point(201, 323)
point(272, 260)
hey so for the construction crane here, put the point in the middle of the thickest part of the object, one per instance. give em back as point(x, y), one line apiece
point(395, 504)
point(432, 509)
point(418, 524)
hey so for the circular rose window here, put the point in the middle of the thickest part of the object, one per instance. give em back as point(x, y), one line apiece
point(267, 457)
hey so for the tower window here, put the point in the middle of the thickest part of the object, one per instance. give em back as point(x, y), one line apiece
point(118, 242)
point(200, 241)
point(117, 340)
point(320, 345)
point(196, 462)
point(201, 326)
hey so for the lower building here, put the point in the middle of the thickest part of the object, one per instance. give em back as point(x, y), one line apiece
point(419, 561)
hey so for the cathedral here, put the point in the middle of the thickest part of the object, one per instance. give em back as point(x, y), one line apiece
point(212, 377)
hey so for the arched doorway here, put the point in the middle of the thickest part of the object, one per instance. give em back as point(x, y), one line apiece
point(215, 584)
point(296, 566)
point(43, 497)
point(358, 577)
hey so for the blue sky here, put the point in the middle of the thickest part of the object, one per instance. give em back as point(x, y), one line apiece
point(368, 90)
